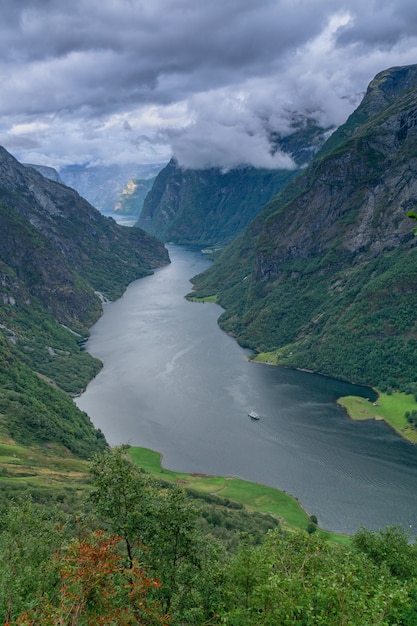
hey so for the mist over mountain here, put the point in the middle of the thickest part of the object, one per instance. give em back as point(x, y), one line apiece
point(48, 172)
point(211, 206)
point(325, 276)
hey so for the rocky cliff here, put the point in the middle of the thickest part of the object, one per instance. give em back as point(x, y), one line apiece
point(48, 172)
point(209, 207)
point(130, 202)
point(325, 277)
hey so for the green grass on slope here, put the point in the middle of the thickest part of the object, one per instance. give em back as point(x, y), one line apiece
point(390, 407)
point(47, 472)
point(252, 496)
point(192, 298)
point(50, 474)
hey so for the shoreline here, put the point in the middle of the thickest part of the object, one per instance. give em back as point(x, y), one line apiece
point(389, 408)
point(253, 496)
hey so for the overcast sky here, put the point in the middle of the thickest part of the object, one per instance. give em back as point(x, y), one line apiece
point(105, 81)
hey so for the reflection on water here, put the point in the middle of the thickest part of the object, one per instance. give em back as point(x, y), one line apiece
point(174, 382)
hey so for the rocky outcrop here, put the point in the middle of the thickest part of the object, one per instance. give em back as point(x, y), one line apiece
point(130, 201)
point(62, 249)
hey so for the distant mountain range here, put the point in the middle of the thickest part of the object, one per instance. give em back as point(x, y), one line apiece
point(103, 185)
point(325, 277)
point(130, 201)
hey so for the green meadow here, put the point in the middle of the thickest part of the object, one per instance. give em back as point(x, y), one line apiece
point(389, 407)
point(252, 496)
point(50, 474)
point(212, 299)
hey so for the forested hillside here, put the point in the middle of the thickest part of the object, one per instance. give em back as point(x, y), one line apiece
point(325, 277)
point(59, 257)
point(211, 206)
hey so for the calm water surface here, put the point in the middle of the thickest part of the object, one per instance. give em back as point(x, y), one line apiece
point(172, 381)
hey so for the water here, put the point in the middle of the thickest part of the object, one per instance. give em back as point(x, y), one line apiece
point(174, 382)
point(123, 220)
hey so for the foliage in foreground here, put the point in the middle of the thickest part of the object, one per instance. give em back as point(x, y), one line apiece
point(136, 556)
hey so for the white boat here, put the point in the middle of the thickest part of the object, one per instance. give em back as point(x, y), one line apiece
point(253, 415)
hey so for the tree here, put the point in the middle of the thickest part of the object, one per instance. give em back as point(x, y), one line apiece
point(29, 536)
point(300, 579)
point(121, 498)
point(97, 588)
point(158, 526)
point(390, 547)
point(178, 552)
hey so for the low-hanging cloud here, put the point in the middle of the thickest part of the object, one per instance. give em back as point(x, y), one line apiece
point(139, 81)
point(208, 144)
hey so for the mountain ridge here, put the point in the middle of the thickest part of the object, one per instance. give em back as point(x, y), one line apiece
point(329, 266)
point(209, 207)
point(59, 258)
point(102, 185)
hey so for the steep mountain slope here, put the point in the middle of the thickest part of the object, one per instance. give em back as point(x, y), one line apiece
point(102, 184)
point(130, 201)
point(326, 276)
point(56, 253)
point(207, 207)
point(48, 172)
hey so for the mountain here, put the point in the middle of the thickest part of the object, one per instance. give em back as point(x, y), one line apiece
point(209, 207)
point(48, 172)
point(130, 201)
point(102, 184)
point(325, 278)
point(59, 258)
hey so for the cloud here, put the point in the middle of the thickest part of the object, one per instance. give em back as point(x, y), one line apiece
point(211, 144)
point(139, 80)
point(382, 24)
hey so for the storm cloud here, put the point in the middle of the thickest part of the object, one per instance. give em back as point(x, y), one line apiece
point(105, 81)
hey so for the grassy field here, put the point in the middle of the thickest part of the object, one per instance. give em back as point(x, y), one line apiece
point(390, 408)
point(192, 298)
point(48, 473)
point(253, 496)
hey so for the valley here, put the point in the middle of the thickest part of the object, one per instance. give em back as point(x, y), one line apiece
point(125, 434)
point(329, 265)
point(173, 382)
